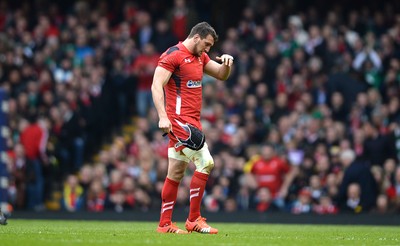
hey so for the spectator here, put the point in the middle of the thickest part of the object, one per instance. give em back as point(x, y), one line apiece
point(115, 184)
point(82, 49)
point(339, 110)
point(163, 37)
point(263, 201)
point(85, 176)
point(353, 201)
point(316, 42)
point(358, 190)
point(33, 138)
point(63, 74)
point(303, 204)
point(369, 63)
point(315, 188)
point(120, 79)
point(230, 205)
point(382, 205)
point(73, 194)
point(96, 197)
point(296, 28)
point(269, 170)
point(145, 30)
point(143, 68)
point(181, 18)
point(215, 201)
point(128, 189)
point(18, 176)
point(375, 147)
point(117, 201)
point(71, 143)
point(325, 206)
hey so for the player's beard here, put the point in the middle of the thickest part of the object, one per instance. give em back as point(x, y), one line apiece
point(198, 52)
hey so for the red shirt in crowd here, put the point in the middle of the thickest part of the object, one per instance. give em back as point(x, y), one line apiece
point(144, 67)
point(96, 203)
point(33, 140)
point(269, 173)
point(179, 23)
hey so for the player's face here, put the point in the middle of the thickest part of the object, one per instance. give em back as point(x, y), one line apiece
point(203, 45)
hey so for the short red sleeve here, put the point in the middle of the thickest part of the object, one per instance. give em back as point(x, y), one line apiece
point(206, 59)
point(169, 61)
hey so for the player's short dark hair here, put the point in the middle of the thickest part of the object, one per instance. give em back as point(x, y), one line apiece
point(203, 29)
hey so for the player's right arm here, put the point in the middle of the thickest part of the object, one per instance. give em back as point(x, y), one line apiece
point(160, 79)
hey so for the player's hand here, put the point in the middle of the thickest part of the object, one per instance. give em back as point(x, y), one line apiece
point(165, 125)
point(227, 60)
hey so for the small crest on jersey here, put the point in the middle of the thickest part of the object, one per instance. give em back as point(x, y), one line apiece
point(187, 60)
point(193, 84)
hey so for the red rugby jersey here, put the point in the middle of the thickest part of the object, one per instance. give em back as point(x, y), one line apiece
point(183, 91)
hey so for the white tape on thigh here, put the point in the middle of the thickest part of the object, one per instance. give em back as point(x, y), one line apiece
point(202, 159)
point(172, 153)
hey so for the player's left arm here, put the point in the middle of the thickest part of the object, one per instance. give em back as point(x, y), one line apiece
point(221, 70)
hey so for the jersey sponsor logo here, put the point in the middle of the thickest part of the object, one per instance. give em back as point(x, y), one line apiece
point(193, 84)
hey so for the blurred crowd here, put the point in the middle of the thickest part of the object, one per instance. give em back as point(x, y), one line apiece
point(308, 122)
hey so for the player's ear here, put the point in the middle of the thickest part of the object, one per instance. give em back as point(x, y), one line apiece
point(196, 38)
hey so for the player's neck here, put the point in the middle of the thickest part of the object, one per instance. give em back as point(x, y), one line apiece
point(189, 44)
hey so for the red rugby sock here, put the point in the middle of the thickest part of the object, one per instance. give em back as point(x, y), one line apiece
point(197, 186)
point(168, 196)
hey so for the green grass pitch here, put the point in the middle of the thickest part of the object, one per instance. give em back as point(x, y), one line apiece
point(57, 232)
